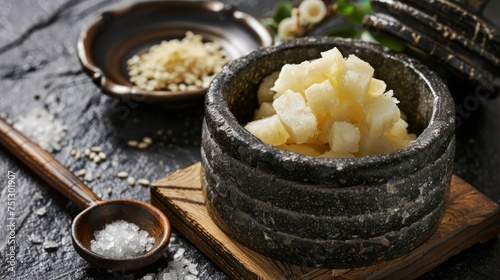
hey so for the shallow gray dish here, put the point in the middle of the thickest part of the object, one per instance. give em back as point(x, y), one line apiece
point(290, 206)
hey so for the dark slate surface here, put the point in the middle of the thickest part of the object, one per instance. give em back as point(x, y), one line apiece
point(38, 56)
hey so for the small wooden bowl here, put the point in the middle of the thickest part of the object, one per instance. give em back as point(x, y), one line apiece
point(116, 35)
point(327, 212)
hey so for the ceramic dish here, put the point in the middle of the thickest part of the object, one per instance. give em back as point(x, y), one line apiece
point(116, 35)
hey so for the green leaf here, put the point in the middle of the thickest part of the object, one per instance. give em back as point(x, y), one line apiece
point(354, 11)
point(387, 40)
point(281, 11)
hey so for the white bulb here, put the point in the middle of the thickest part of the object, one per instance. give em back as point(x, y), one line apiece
point(312, 11)
point(287, 28)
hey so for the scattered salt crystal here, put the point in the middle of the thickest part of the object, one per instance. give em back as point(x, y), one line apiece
point(121, 240)
point(88, 177)
point(192, 268)
point(179, 254)
point(191, 277)
point(36, 238)
point(41, 211)
point(50, 245)
point(171, 275)
point(42, 128)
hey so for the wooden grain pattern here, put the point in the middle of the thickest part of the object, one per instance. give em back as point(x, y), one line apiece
point(469, 218)
point(46, 166)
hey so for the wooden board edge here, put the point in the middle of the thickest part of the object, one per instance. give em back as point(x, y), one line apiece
point(453, 243)
point(233, 269)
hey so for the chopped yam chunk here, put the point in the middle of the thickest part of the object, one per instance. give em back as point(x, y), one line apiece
point(269, 130)
point(297, 118)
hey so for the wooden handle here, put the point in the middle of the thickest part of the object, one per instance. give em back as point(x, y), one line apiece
point(46, 166)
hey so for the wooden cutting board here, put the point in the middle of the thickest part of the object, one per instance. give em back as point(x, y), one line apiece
point(470, 217)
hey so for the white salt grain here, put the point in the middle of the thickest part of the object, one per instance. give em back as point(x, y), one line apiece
point(121, 240)
point(179, 254)
point(42, 128)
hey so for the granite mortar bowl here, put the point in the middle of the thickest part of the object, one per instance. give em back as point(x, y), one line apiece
point(322, 212)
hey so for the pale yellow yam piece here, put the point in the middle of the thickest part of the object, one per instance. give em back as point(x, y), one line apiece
point(399, 130)
point(305, 149)
point(381, 114)
point(332, 61)
point(295, 77)
point(398, 135)
point(324, 128)
point(321, 98)
point(269, 130)
point(264, 93)
point(297, 118)
point(329, 66)
point(344, 138)
point(355, 79)
point(265, 110)
point(376, 87)
point(374, 146)
point(398, 143)
point(332, 154)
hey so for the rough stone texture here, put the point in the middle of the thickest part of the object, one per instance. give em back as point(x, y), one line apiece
point(321, 200)
point(319, 252)
point(372, 179)
point(338, 225)
point(236, 87)
point(38, 54)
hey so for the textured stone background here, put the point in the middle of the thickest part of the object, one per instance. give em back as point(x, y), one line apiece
point(38, 57)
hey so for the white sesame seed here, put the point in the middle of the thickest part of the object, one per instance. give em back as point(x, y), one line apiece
point(122, 175)
point(143, 182)
point(77, 155)
point(92, 155)
point(102, 155)
point(73, 152)
point(132, 143)
point(98, 175)
point(147, 140)
point(97, 159)
point(109, 191)
point(131, 181)
point(81, 172)
point(86, 152)
point(142, 145)
point(96, 149)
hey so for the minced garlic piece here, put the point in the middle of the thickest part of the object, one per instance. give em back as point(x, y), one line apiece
point(177, 65)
